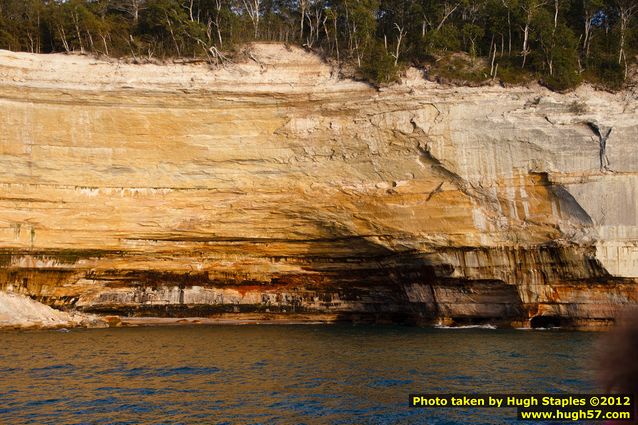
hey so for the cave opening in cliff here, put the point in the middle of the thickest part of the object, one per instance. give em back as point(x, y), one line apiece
point(538, 322)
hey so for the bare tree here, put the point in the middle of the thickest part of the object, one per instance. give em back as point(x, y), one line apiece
point(303, 6)
point(402, 33)
point(76, 24)
point(590, 7)
point(169, 23)
point(62, 33)
point(316, 19)
point(331, 14)
point(509, 25)
point(217, 22)
point(548, 41)
point(253, 8)
point(556, 8)
point(104, 35)
point(529, 8)
point(130, 7)
point(626, 10)
point(189, 5)
point(448, 9)
point(213, 54)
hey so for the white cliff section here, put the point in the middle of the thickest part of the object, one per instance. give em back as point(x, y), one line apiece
point(20, 311)
point(491, 137)
point(260, 68)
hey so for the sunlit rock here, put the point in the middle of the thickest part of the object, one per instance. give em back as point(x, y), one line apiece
point(272, 188)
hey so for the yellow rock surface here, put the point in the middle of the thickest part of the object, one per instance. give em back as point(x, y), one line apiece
point(272, 186)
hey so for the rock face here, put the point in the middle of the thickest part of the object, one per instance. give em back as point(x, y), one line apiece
point(274, 189)
point(18, 311)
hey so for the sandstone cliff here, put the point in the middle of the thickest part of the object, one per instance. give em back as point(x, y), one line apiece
point(273, 189)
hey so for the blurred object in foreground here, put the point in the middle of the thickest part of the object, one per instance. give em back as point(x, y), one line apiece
point(617, 358)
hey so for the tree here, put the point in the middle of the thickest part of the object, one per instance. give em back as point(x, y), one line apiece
point(361, 25)
point(509, 5)
point(529, 8)
point(396, 23)
point(316, 21)
point(626, 11)
point(216, 16)
point(379, 66)
point(303, 6)
point(132, 8)
point(167, 23)
point(560, 52)
point(472, 32)
point(20, 24)
point(420, 32)
point(589, 10)
point(253, 9)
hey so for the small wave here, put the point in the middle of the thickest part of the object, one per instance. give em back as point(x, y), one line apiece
point(466, 327)
point(44, 402)
point(538, 329)
point(54, 367)
point(388, 383)
point(163, 372)
point(188, 370)
point(10, 369)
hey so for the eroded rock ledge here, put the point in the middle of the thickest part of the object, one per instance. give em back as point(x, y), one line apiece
point(273, 189)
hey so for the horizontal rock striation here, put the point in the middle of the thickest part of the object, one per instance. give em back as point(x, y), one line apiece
point(274, 189)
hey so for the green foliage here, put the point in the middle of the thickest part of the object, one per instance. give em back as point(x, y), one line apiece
point(472, 33)
point(559, 42)
point(448, 38)
point(560, 68)
point(459, 68)
point(378, 66)
point(509, 72)
point(578, 108)
point(165, 28)
point(513, 75)
point(565, 76)
point(608, 74)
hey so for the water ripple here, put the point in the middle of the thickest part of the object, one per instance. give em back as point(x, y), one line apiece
point(285, 375)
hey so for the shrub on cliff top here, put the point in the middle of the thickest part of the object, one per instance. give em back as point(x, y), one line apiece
point(379, 66)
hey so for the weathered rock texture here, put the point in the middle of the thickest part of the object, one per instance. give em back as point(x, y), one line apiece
point(19, 311)
point(273, 188)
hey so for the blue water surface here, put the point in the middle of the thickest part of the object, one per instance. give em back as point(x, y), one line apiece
point(288, 374)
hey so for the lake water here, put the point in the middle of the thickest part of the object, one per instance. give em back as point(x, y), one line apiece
point(303, 374)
